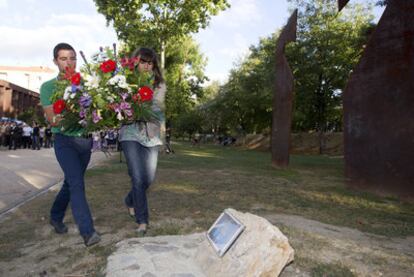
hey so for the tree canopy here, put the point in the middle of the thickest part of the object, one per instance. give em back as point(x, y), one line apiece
point(158, 22)
point(328, 47)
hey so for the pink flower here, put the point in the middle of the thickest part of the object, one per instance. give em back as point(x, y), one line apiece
point(130, 63)
point(95, 116)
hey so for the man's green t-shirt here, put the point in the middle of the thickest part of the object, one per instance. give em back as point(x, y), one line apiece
point(46, 91)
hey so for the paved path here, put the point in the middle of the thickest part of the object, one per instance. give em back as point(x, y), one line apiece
point(26, 173)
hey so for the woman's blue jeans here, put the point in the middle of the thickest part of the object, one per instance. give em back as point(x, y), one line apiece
point(73, 155)
point(142, 165)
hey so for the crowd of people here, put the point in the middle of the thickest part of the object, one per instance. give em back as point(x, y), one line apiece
point(20, 135)
point(224, 140)
point(106, 140)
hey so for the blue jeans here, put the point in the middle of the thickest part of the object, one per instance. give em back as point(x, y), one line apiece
point(73, 155)
point(35, 142)
point(142, 165)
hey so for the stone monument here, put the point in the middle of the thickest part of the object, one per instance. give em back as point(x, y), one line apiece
point(260, 250)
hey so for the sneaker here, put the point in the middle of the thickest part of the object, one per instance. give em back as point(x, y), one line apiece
point(142, 230)
point(92, 239)
point(60, 227)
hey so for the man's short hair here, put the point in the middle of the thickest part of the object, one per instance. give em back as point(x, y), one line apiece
point(61, 46)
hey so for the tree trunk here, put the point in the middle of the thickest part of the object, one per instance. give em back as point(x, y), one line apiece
point(162, 54)
point(321, 109)
point(322, 142)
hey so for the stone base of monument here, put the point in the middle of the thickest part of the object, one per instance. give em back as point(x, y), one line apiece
point(260, 250)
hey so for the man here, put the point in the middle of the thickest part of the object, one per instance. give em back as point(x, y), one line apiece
point(13, 136)
point(73, 152)
point(27, 132)
point(35, 136)
point(3, 127)
point(48, 137)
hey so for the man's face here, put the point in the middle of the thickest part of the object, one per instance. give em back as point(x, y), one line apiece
point(65, 58)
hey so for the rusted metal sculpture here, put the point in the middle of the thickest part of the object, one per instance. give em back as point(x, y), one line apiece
point(379, 107)
point(283, 97)
point(342, 4)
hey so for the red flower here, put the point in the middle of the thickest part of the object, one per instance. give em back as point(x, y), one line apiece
point(145, 94)
point(59, 106)
point(75, 79)
point(108, 66)
point(69, 72)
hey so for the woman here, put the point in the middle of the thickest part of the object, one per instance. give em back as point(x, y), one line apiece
point(140, 142)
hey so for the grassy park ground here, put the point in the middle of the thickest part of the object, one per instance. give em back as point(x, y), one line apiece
point(335, 231)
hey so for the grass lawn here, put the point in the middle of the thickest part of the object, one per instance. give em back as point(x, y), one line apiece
point(192, 188)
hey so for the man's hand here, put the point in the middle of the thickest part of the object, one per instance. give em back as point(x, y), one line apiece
point(51, 117)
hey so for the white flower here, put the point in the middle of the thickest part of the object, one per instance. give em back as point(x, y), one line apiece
point(119, 116)
point(82, 122)
point(100, 57)
point(123, 84)
point(118, 80)
point(68, 92)
point(92, 81)
point(110, 99)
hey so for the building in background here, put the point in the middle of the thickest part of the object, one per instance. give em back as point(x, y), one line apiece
point(20, 87)
point(29, 77)
point(15, 100)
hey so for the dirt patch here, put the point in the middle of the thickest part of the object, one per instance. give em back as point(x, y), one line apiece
point(363, 253)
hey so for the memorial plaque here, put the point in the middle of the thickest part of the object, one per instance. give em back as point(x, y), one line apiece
point(224, 232)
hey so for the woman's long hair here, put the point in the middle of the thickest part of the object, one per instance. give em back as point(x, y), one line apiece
point(148, 54)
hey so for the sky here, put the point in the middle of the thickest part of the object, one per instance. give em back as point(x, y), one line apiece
point(29, 30)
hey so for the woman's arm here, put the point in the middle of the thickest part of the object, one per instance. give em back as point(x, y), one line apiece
point(159, 99)
point(157, 126)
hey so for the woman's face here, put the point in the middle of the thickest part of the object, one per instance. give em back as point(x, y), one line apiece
point(145, 65)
